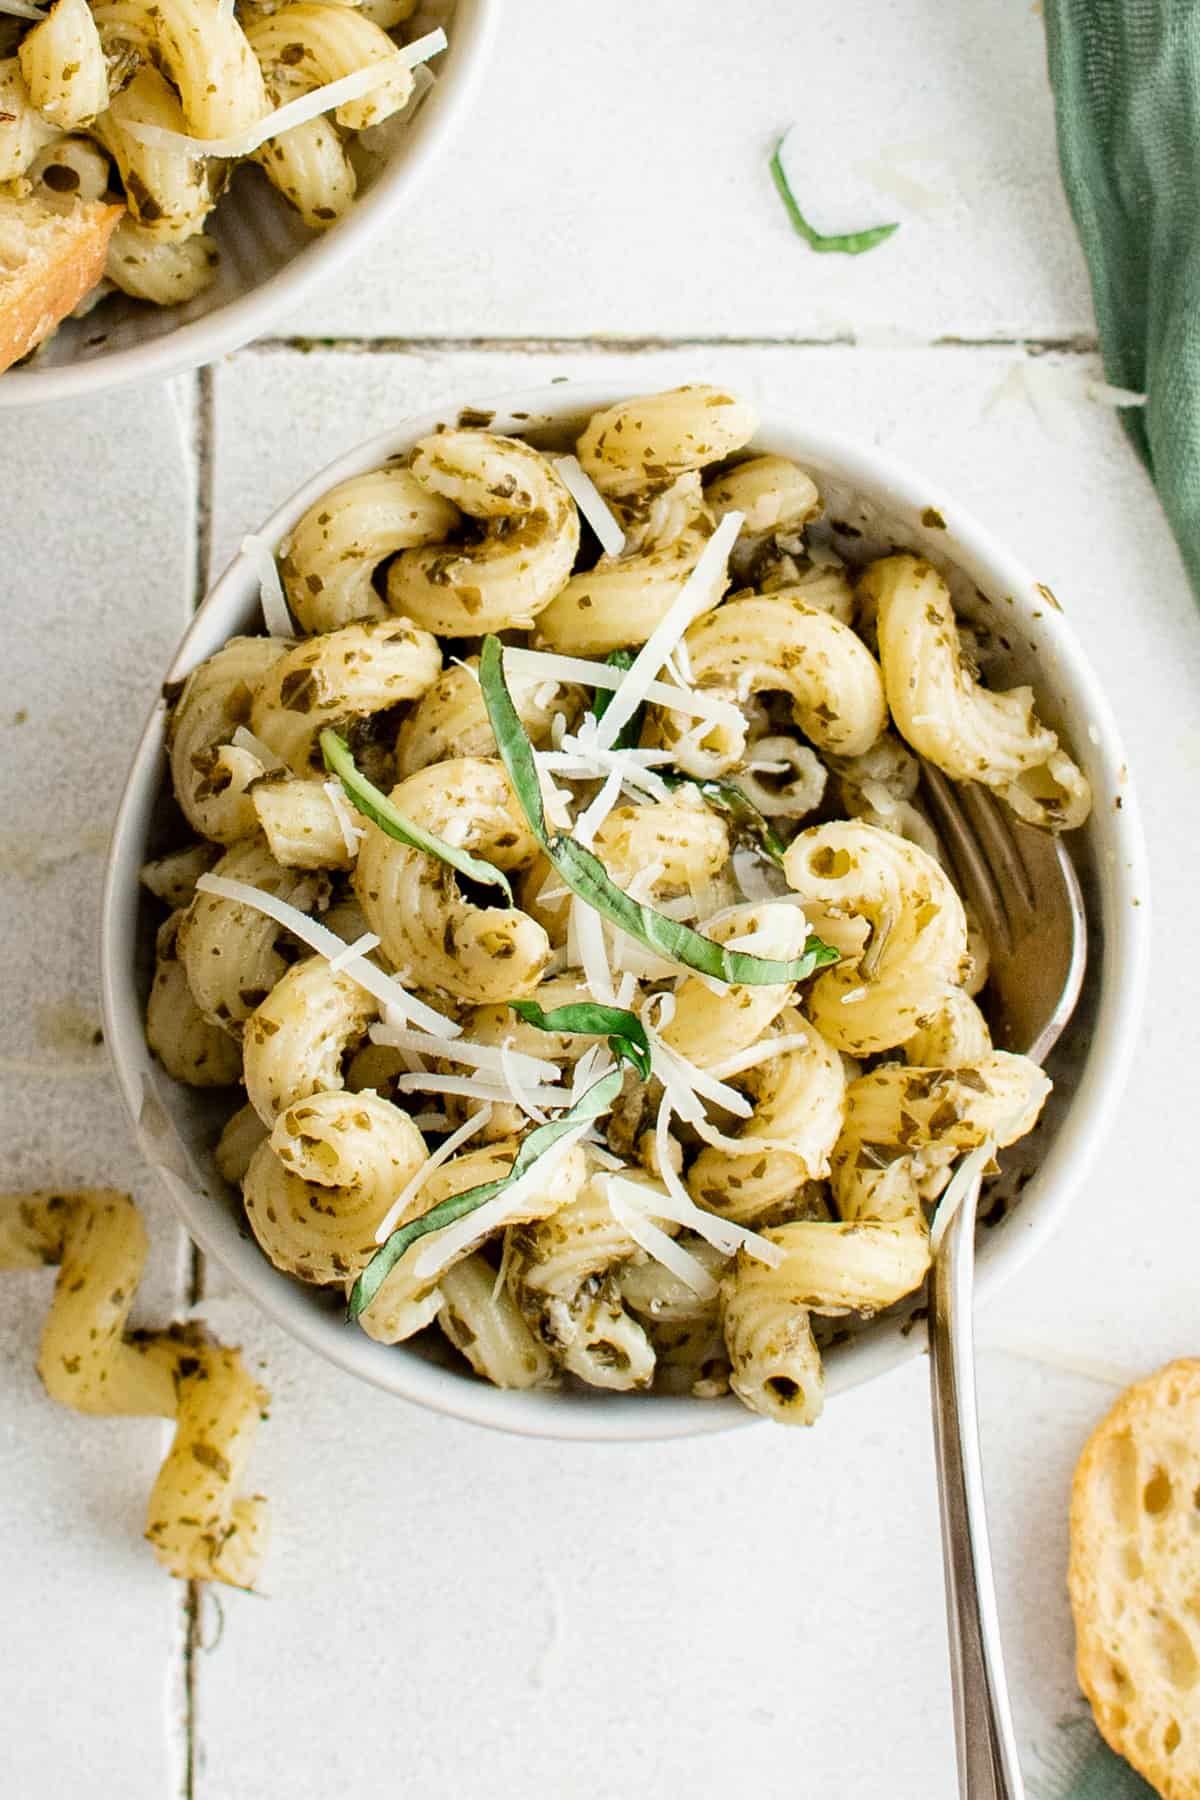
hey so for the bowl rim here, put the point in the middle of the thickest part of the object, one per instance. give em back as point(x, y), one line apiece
point(241, 321)
point(612, 1418)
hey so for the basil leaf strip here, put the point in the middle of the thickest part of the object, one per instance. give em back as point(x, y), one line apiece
point(729, 798)
point(367, 799)
point(630, 734)
point(596, 1100)
point(586, 875)
point(512, 740)
point(851, 243)
point(626, 1034)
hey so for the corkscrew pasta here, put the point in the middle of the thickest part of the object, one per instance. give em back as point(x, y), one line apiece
point(200, 1525)
point(168, 97)
point(599, 995)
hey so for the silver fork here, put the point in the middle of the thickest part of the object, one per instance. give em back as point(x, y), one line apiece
point(1024, 890)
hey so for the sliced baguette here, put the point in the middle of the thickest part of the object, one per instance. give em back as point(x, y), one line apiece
point(1134, 1577)
point(48, 261)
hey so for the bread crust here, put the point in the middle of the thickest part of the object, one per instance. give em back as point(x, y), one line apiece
point(1134, 1577)
point(39, 296)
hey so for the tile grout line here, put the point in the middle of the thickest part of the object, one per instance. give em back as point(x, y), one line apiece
point(202, 468)
point(1075, 344)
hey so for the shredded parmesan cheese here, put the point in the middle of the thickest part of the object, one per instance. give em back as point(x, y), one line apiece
point(408, 1194)
point(295, 112)
point(699, 594)
point(360, 947)
point(276, 617)
point(465, 1050)
point(263, 753)
point(352, 834)
point(587, 930)
point(595, 674)
point(655, 1242)
point(385, 988)
point(20, 10)
point(965, 1176)
point(475, 1087)
point(591, 503)
point(521, 1091)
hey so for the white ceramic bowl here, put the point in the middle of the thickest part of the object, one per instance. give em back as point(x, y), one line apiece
point(270, 261)
point(177, 1126)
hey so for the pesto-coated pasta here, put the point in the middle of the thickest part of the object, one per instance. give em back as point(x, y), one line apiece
point(197, 1522)
point(506, 1080)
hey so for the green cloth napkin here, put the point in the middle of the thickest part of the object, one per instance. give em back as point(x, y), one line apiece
point(1078, 1765)
point(1126, 79)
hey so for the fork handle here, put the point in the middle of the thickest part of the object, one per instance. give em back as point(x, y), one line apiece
point(988, 1768)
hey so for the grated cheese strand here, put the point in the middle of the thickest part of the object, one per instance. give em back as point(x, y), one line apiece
point(678, 1208)
point(591, 503)
point(384, 988)
point(960, 1184)
point(474, 1087)
point(656, 1243)
point(360, 947)
point(276, 617)
point(294, 112)
point(254, 746)
point(352, 834)
point(521, 1091)
point(465, 1050)
point(604, 675)
point(20, 10)
point(587, 929)
point(408, 1193)
point(699, 594)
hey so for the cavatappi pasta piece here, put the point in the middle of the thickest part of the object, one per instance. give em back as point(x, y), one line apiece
point(770, 643)
point(318, 43)
point(172, 878)
point(210, 775)
point(918, 939)
point(229, 951)
point(640, 442)
point(296, 1042)
point(242, 1135)
point(684, 1327)
point(164, 274)
point(23, 130)
point(562, 1273)
point(687, 842)
point(336, 550)
point(622, 599)
point(409, 1298)
point(318, 1187)
point(525, 539)
point(954, 1033)
point(897, 1114)
point(861, 1265)
point(63, 63)
point(450, 719)
point(782, 778)
point(67, 171)
point(169, 192)
point(351, 673)
point(798, 1098)
point(710, 1025)
point(775, 1366)
point(483, 1321)
point(190, 1047)
point(309, 164)
point(777, 500)
point(301, 823)
point(427, 926)
point(202, 49)
point(939, 708)
point(197, 1525)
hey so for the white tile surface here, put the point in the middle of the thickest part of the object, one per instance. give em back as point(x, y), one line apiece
point(450, 1612)
point(614, 181)
point(93, 593)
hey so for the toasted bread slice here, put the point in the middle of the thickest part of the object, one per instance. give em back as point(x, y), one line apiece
point(1134, 1577)
point(48, 261)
